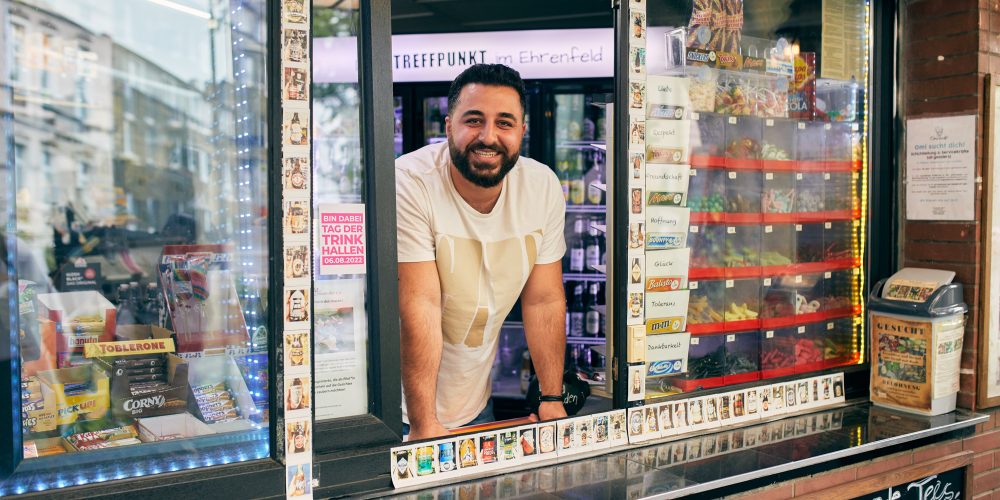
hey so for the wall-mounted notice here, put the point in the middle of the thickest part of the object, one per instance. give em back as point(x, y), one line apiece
point(341, 239)
point(340, 349)
point(941, 168)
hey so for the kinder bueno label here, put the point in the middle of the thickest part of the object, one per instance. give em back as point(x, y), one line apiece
point(128, 347)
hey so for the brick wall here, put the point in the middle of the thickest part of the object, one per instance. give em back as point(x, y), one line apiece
point(982, 449)
point(948, 46)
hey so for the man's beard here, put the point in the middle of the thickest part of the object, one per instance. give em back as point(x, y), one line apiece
point(478, 176)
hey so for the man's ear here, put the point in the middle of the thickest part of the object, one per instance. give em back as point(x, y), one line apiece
point(447, 125)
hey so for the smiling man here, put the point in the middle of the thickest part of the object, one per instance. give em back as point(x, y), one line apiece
point(478, 226)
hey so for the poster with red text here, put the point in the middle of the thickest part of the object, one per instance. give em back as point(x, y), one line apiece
point(342, 239)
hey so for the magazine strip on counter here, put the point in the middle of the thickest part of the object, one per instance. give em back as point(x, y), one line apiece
point(296, 426)
point(505, 449)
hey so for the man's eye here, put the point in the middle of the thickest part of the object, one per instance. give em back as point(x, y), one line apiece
point(506, 124)
point(473, 121)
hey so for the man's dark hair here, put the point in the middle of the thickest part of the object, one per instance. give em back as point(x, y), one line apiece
point(487, 74)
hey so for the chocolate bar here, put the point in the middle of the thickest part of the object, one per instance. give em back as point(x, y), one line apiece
point(216, 416)
point(132, 372)
point(215, 396)
point(134, 362)
point(222, 404)
point(209, 388)
point(157, 377)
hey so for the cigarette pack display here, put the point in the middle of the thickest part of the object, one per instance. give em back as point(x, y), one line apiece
point(78, 392)
point(706, 306)
point(742, 357)
point(706, 363)
point(202, 300)
point(171, 427)
point(77, 318)
point(836, 100)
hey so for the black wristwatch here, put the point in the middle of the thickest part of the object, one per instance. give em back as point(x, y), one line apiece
point(551, 399)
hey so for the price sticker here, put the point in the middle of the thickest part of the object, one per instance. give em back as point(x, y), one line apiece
point(694, 172)
point(802, 329)
point(769, 122)
point(828, 225)
point(798, 177)
point(854, 127)
point(732, 175)
point(692, 285)
point(695, 115)
point(730, 230)
point(730, 283)
point(769, 176)
point(826, 176)
point(732, 120)
point(767, 281)
point(693, 229)
point(768, 229)
point(828, 275)
point(829, 326)
point(828, 126)
point(798, 228)
point(695, 341)
point(798, 279)
point(769, 334)
point(730, 338)
point(802, 126)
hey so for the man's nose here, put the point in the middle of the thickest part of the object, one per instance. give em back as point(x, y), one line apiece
point(488, 134)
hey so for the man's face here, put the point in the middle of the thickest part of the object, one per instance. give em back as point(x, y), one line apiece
point(484, 133)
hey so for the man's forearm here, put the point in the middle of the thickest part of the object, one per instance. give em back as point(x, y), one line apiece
point(421, 358)
point(545, 329)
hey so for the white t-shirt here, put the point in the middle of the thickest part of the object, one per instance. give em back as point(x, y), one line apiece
point(483, 262)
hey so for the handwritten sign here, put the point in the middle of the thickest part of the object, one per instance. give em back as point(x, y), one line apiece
point(342, 239)
point(948, 485)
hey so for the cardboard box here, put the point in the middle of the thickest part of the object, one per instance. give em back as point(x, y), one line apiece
point(213, 370)
point(76, 317)
point(91, 404)
point(170, 427)
point(38, 407)
point(47, 447)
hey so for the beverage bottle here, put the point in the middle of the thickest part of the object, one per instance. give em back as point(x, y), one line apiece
point(593, 318)
point(562, 170)
point(592, 250)
point(577, 252)
point(577, 185)
point(153, 306)
point(576, 312)
point(595, 196)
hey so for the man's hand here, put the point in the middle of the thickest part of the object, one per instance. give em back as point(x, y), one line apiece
point(429, 430)
point(551, 410)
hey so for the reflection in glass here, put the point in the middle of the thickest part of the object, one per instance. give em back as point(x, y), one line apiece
point(137, 215)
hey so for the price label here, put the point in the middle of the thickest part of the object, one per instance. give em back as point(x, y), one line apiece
point(769, 122)
point(829, 326)
point(767, 281)
point(854, 127)
point(732, 175)
point(730, 230)
point(730, 338)
point(802, 126)
point(730, 283)
point(828, 225)
point(798, 279)
point(695, 341)
point(828, 126)
point(768, 229)
point(694, 229)
point(802, 329)
point(732, 120)
point(695, 115)
point(694, 172)
point(798, 177)
point(828, 275)
point(798, 228)
point(826, 176)
point(769, 334)
point(692, 285)
point(769, 176)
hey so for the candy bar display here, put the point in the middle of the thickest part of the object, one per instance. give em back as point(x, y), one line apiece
point(215, 403)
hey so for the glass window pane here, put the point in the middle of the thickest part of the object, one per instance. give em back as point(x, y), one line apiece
point(139, 233)
point(341, 321)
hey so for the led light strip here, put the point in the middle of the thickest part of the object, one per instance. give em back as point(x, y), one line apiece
point(295, 426)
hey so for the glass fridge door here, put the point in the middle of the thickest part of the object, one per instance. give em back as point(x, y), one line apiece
point(435, 110)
